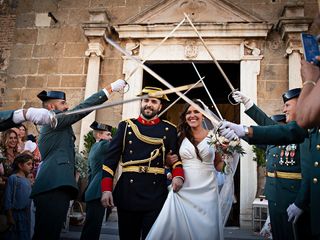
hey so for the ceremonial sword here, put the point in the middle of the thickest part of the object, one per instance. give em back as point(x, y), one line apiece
point(54, 117)
point(216, 121)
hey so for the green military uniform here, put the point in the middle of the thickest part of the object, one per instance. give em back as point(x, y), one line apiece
point(94, 209)
point(284, 177)
point(6, 120)
point(95, 161)
point(55, 184)
point(311, 152)
point(281, 192)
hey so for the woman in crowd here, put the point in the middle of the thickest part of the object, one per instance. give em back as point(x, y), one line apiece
point(22, 136)
point(9, 150)
point(17, 198)
point(25, 144)
point(194, 211)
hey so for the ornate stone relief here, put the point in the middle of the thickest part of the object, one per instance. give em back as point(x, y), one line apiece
point(94, 48)
point(191, 49)
point(135, 49)
point(192, 7)
point(251, 48)
point(274, 44)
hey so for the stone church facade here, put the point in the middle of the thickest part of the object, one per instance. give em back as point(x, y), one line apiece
point(61, 45)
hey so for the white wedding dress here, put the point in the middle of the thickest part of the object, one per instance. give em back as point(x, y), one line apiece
point(194, 212)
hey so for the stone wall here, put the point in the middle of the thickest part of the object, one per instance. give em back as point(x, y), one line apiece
point(42, 54)
point(7, 29)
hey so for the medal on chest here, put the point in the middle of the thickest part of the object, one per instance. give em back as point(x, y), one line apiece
point(290, 154)
point(281, 162)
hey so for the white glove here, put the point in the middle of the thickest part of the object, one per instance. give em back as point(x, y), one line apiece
point(118, 85)
point(30, 146)
point(228, 134)
point(239, 97)
point(39, 116)
point(237, 128)
point(294, 213)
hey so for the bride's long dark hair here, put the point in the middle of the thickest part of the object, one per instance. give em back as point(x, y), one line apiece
point(184, 130)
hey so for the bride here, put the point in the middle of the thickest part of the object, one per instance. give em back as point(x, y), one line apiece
point(194, 212)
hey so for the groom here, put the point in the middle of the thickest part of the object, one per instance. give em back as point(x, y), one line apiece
point(142, 145)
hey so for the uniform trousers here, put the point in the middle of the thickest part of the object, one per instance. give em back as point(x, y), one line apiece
point(283, 230)
point(135, 225)
point(51, 212)
point(94, 217)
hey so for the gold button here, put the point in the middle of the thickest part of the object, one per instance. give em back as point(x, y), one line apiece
point(315, 180)
point(273, 155)
point(154, 182)
point(316, 164)
point(130, 142)
point(130, 151)
point(129, 125)
point(319, 130)
point(131, 180)
point(318, 147)
point(167, 129)
point(129, 133)
point(164, 137)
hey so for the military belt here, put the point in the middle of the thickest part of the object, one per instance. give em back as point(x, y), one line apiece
point(286, 175)
point(143, 169)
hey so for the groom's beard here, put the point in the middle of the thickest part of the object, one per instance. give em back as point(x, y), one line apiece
point(148, 112)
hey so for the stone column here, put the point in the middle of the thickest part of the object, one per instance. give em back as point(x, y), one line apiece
point(291, 24)
point(94, 30)
point(294, 55)
point(95, 54)
point(249, 70)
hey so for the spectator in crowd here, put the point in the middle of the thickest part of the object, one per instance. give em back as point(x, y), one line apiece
point(9, 145)
point(17, 198)
point(22, 136)
point(308, 117)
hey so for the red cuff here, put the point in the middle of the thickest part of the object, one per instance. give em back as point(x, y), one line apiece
point(178, 172)
point(106, 184)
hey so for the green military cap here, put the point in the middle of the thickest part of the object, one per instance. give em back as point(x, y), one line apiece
point(44, 95)
point(100, 126)
point(279, 117)
point(152, 90)
point(292, 93)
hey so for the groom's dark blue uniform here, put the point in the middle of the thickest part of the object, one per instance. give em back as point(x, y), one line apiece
point(141, 190)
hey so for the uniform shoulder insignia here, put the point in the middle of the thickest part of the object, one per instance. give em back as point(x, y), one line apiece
point(170, 123)
point(128, 119)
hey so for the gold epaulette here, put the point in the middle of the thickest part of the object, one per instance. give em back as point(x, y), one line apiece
point(107, 169)
point(170, 123)
point(176, 164)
